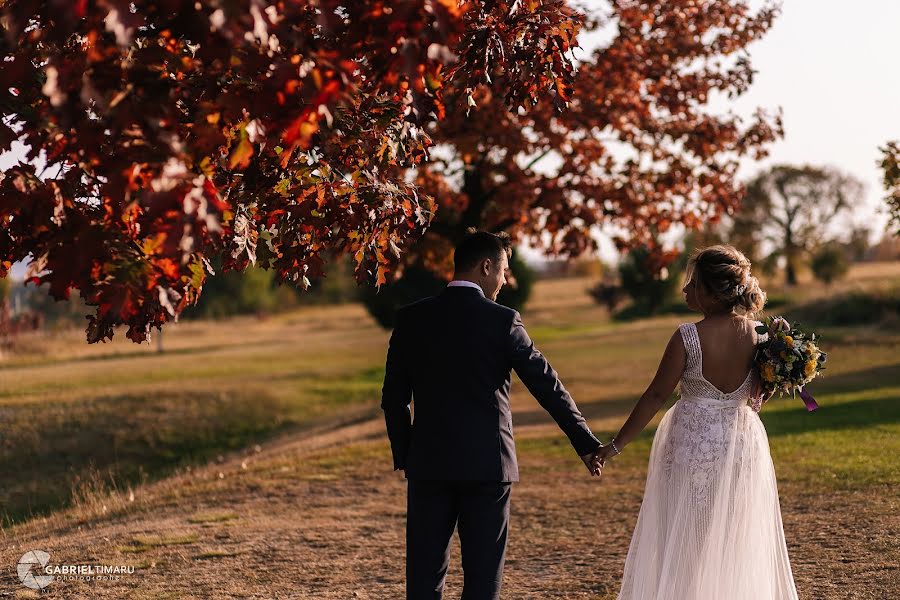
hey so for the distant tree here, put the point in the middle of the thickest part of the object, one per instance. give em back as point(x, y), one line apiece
point(887, 248)
point(829, 263)
point(251, 291)
point(890, 164)
point(518, 291)
point(791, 208)
point(858, 243)
point(64, 314)
point(257, 291)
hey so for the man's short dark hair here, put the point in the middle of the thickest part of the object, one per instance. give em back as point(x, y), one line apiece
point(479, 245)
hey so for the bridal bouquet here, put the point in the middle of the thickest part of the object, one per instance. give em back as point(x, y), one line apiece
point(788, 359)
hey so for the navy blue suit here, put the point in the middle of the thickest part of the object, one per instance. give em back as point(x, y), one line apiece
point(452, 356)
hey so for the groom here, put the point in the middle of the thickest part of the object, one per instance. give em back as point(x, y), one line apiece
point(453, 354)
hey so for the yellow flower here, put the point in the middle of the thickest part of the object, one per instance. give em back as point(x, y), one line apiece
point(788, 340)
point(809, 368)
point(768, 373)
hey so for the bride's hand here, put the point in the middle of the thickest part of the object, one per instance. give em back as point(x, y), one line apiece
point(601, 455)
point(760, 391)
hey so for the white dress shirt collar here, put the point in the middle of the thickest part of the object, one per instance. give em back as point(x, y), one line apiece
point(469, 284)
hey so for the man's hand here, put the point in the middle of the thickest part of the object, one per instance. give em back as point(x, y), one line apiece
point(600, 456)
point(590, 462)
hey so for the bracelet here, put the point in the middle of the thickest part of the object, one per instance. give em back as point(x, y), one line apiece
point(613, 444)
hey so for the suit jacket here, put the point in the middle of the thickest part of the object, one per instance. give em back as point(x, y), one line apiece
point(454, 353)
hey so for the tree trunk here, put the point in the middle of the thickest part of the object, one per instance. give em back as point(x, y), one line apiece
point(790, 271)
point(790, 253)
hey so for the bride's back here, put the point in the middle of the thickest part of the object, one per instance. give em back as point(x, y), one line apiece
point(727, 346)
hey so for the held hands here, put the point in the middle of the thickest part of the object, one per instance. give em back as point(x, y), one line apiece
point(589, 461)
point(597, 459)
point(602, 454)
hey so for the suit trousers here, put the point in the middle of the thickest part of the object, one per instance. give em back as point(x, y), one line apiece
point(480, 510)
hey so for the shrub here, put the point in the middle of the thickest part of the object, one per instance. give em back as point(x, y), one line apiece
point(870, 307)
point(648, 291)
point(238, 293)
point(829, 263)
point(609, 295)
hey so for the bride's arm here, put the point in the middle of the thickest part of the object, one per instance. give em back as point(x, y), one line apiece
point(671, 366)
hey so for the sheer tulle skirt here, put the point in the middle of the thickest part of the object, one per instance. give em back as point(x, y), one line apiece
point(710, 524)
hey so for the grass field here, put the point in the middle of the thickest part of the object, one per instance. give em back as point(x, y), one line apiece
point(248, 460)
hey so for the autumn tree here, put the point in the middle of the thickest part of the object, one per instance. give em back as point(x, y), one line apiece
point(640, 148)
point(159, 135)
point(890, 164)
point(791, 209)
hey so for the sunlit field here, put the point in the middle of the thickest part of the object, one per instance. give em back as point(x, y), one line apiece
point(248, 459)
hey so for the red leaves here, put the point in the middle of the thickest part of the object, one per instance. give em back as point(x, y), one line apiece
point(637, 152)
point(521, 47)
point(281, 134)
point(300, 132)
point(217, 130)
point(241, 154)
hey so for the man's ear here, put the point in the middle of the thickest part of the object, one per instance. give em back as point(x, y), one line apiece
point(486, 265)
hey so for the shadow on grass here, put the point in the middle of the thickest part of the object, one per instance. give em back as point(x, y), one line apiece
point(134, 355)
point(49, 452)
point(867, 379)
point(601, 409)
point(857, 414)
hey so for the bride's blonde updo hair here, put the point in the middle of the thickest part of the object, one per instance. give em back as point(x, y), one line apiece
point(724, 272)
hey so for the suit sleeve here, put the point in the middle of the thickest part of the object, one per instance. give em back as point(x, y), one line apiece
point(544, 384)
point(396, 395)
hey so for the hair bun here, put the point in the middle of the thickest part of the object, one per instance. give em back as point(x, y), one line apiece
point(725, 273)
point(752, 298)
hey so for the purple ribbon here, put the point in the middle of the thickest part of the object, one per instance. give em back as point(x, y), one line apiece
point(808, 400)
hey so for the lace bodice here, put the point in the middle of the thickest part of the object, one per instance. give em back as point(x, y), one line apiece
point(705, 422)
point(694, 384)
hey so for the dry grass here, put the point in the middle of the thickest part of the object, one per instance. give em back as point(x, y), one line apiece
point(302, 504)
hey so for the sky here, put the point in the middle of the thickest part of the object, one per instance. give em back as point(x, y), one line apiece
point(834, 69)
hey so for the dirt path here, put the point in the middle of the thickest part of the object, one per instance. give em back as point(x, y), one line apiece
point(319, 515)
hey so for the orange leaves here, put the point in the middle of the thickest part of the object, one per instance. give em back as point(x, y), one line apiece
point(381, 277)
point(638, 150)
point(241, 153)
point(301, 130)
point(282, 136)
point(454, 7)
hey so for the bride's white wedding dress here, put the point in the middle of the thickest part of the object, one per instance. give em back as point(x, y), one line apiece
point(710, 524)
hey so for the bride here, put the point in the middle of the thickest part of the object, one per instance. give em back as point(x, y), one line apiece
point(710, 526)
